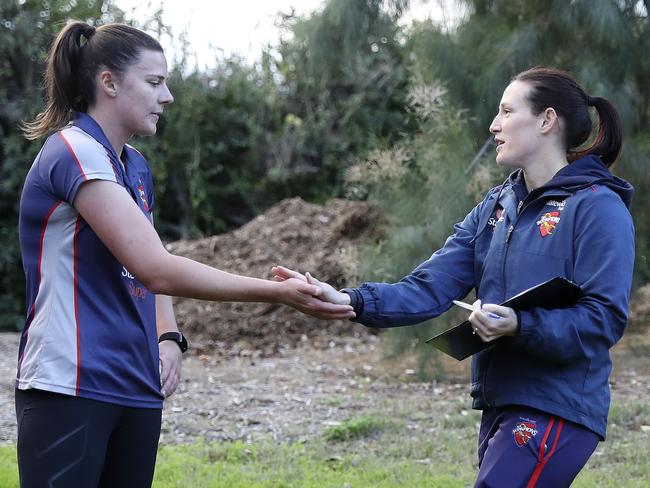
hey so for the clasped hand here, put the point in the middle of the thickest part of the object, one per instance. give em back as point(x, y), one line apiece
point(329, 303)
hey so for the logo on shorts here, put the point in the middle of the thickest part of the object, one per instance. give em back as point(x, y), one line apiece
point(524, 431)
point(548, 222)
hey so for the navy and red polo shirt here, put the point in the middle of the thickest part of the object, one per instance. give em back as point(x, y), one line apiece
point(90, 329)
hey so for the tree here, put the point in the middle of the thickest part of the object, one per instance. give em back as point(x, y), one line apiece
point(342, 80)
point(26, 30)
point(287, 125)
point(604, 43)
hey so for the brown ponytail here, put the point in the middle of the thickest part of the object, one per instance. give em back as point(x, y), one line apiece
point(608, 141)
point(61, 83)
point(559, 90)
point(75, 58)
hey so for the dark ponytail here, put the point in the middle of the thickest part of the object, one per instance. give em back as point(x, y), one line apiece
point(560, 91)
point(74, 59)
point(609, 137)
point(62, 85)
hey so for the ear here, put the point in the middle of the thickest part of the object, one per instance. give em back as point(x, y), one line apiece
point(548, 120)
point(107, 83)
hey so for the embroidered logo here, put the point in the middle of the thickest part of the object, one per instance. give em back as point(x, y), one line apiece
point(524, 431)
point(498, 217)
point(143, 196)
point(548, 222)
point(555, 203)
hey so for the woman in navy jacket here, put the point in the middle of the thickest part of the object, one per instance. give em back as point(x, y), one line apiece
point(543, 391)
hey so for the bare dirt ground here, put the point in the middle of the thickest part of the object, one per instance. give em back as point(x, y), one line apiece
point(299, 393)
point(292, 396)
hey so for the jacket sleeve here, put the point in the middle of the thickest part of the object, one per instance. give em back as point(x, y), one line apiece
point(604, 261)
point(430, 288)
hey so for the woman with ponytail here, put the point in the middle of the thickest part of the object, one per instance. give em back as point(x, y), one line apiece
point(543, 389)
point(100, 349)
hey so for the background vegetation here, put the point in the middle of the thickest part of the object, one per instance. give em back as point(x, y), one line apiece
point(352, 102)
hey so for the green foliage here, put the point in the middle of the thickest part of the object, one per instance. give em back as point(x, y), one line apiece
point(343, 72)
point(8, 466)
point(285, 126)
point(355, 428)
point(26, 30)
point(211, 179)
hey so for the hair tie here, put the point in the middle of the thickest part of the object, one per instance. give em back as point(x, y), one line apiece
point(88, 32)
point(591, 101)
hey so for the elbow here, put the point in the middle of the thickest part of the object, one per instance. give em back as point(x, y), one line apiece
point(158, 286)
point(154, 275)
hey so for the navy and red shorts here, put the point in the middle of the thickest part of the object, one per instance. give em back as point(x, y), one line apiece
point(524, 447)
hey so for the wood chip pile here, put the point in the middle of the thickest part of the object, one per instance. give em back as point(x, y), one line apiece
point(307, 237)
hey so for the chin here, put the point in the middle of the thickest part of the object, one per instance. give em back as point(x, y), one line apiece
point(504, 162)
point(147, 131)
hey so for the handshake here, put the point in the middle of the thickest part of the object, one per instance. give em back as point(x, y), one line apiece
point(325, 302)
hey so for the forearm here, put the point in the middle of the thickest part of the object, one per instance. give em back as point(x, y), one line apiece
point(165, 317)
point(568, 335)
point(179, 276)
point(421, 296)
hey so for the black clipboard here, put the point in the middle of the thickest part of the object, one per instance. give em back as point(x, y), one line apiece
point(460, 342)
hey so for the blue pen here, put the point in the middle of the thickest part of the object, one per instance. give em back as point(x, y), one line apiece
point(467, 306)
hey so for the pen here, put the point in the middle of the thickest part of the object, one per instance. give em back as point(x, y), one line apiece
point(467, 306)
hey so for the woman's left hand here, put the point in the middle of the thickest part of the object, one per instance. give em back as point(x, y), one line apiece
point(487, 326)
point(170, 367)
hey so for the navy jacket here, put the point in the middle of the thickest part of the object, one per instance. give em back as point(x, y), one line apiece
point(577, 226)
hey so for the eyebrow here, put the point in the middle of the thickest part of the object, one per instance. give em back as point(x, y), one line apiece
point(158, 77)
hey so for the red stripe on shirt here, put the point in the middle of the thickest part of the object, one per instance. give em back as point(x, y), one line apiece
point(83, 173)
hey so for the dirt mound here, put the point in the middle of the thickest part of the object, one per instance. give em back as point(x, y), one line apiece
point(300, 235)
point(321, 239)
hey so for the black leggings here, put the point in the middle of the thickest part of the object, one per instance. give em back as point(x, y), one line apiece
point(66, 441)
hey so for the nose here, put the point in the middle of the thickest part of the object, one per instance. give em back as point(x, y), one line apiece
point(495, 126)
point(166, 96)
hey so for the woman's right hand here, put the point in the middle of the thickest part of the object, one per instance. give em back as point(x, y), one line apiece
point(306, 297)
point(329, 293)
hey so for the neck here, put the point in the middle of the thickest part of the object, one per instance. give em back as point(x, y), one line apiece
point(542, 170)
point(115, 135)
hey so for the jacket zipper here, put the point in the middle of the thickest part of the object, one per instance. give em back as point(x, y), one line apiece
point(521, 206)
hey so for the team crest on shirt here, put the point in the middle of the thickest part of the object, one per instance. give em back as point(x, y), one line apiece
point(143, 195)
point(547, 223)
point(524, 431)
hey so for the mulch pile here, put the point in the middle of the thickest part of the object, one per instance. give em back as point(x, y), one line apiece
point(307, 237)
point(303, 236)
